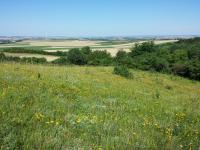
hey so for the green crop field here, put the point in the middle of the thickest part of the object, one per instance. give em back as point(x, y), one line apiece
point(71, 107)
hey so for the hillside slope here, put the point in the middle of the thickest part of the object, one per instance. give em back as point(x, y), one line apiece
point(47, 107)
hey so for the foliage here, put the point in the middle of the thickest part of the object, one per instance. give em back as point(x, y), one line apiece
point(123, 58)
point(61, 61)
point(181, 58)
point(33, 60)
point(139, 49)
point(122, 71)
point(34, 51)
point(86, 50)
point(75, 56)
point(100, 58)
point(2, 57)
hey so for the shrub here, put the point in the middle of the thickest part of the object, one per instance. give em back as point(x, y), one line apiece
point(122, 58)
point(100, 58)
point(168, 87)
point(11, 58)
point(194, 54)
point(61, 61)
point(194, 69)
point(142, 48)
point(34, 60)
point(160, 64)
point(2, 57)
point(181, 70)
point(86, 50)
point(33, 51)
point(75, 56)
point(122, 71)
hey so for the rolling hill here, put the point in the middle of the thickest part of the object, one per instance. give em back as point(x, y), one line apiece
point(51, 107)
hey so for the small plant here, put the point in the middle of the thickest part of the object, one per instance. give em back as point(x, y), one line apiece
point(2, 57)
point(39, 75)
point(61, 61)
point(122, 71)
point(168, 87)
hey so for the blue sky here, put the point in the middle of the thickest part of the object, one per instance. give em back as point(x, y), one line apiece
point(99, 17)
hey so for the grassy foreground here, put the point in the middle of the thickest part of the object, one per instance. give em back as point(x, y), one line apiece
point(47, 107)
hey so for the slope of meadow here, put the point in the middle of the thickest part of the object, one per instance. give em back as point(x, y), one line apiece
point(49, 107)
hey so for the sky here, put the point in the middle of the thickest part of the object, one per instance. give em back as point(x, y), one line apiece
point(75, 18)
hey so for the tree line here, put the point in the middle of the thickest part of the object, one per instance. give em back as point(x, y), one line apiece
point(180, 58)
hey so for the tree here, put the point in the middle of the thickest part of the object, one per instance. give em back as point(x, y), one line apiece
point(86, 50)
point(122, 58)
point(142, 48)
point(99, 58)
point(75, 56)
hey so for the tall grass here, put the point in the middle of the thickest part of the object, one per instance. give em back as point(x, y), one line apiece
point(47, 107)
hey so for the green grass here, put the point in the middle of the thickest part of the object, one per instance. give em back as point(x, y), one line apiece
point(51, 107)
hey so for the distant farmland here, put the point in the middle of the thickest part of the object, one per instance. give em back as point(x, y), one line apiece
point(64, 45)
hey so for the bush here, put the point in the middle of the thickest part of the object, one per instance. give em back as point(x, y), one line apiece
point(34, 60)
point(2, 57)
point(194, 54)
point(33, 51)
point(122, 71)
point(86, 50)
point(181, 70)
point(122, 58)
point(61, 61)
point(142, 48)
point(75, 56)
point(194, 69)
point(160, 64)
point(11, 58)
point(100, 58)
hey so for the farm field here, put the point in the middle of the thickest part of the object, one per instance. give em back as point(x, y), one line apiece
point(71, 107)
point(64, 45)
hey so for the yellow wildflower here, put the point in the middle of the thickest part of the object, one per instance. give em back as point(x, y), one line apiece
point(78, 120)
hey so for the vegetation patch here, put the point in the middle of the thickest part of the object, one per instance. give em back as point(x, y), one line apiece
point(122, 71)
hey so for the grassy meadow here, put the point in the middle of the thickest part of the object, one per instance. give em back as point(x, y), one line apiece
point(71, 107)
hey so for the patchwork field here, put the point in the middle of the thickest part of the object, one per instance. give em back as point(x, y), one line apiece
point(49, 107)
point(64, 45)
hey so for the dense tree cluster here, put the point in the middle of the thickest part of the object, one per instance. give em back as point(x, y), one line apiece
point(181, 58)
point(85, 56)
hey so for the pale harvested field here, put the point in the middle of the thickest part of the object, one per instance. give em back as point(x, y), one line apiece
point(61, 43)
point(80, 43)
point(115, 48)
point(21, 55)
